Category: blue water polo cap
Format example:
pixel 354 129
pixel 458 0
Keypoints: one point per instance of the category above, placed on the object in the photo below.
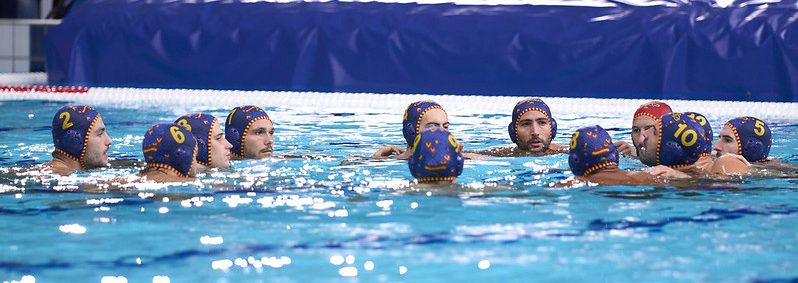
pixel 72 126
pixel 753 137
pixel 591 149
pixel 200 126
pixel 170 147
pixel 703 121
pixel 526 105
pixel 436 156
pixel 682 141
pixel 412 119
pixel 238 122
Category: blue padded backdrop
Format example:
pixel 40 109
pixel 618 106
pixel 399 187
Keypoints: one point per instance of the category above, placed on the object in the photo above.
pixel 670 50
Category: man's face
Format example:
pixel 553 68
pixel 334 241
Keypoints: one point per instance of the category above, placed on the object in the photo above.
pixel 727 142
pixel 534 132
pixel 97 146
pixel 434 118
pixel 645 135
pixel 259 140
pixel 220 148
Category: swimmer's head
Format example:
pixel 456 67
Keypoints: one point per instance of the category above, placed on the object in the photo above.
pixel 591 149
pixel 79 133
pixel 645 129
pixel 213 150
pixel 654 110
pixel 703 121
pixel 170 147
pixel 436 156
pixel 682 142
pixel 421 115
pixel 746 136
pixel 532 127
pixel 249 129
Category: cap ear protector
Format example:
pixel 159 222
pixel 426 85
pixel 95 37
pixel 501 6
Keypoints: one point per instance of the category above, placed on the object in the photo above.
pixel 201 126
pixel 71 128
pixel 411 123
pixel 526 105
pixel 753 137
pixel 171 147
pixel 682 141
pixel 591 149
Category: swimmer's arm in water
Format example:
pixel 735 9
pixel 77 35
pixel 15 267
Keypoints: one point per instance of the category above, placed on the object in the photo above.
pixel 666 172
pixel 474 155
pixel 556 148
pixel 387 151
pixel 503 151
pixel 653 176
pixel 626 148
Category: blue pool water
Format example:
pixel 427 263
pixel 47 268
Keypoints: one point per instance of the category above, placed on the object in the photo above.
pixel 337 216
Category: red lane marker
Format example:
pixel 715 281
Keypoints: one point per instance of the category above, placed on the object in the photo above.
pixel 51 89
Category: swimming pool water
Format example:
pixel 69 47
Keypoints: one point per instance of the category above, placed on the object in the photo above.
pixel 337 216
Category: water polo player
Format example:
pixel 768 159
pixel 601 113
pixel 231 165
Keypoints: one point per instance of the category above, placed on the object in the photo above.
pixel 532 129
pixel 418 116
pixel 213 150
pixel 170 153
pixel 746 136
pixel 251 132
pixel 436 156
pixel 683 144
pixel 80 139
pixel 644 131
pixel 594 158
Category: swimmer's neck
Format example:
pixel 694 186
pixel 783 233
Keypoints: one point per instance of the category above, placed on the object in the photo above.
pixel 549 150
pixel 63 165
pixel 162 176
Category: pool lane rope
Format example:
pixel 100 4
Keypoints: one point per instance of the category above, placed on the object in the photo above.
pixel 339 102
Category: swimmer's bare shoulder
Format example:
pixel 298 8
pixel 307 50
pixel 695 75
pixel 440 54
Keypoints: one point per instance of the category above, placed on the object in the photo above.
pixel 557 148
pixel 730 164
pixel 514 151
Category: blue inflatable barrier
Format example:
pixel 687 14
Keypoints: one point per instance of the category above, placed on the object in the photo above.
pixel 670 50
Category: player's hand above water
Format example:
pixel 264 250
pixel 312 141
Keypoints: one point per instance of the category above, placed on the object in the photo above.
pixel 625 148
pixel 667 172
pixel 387 151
